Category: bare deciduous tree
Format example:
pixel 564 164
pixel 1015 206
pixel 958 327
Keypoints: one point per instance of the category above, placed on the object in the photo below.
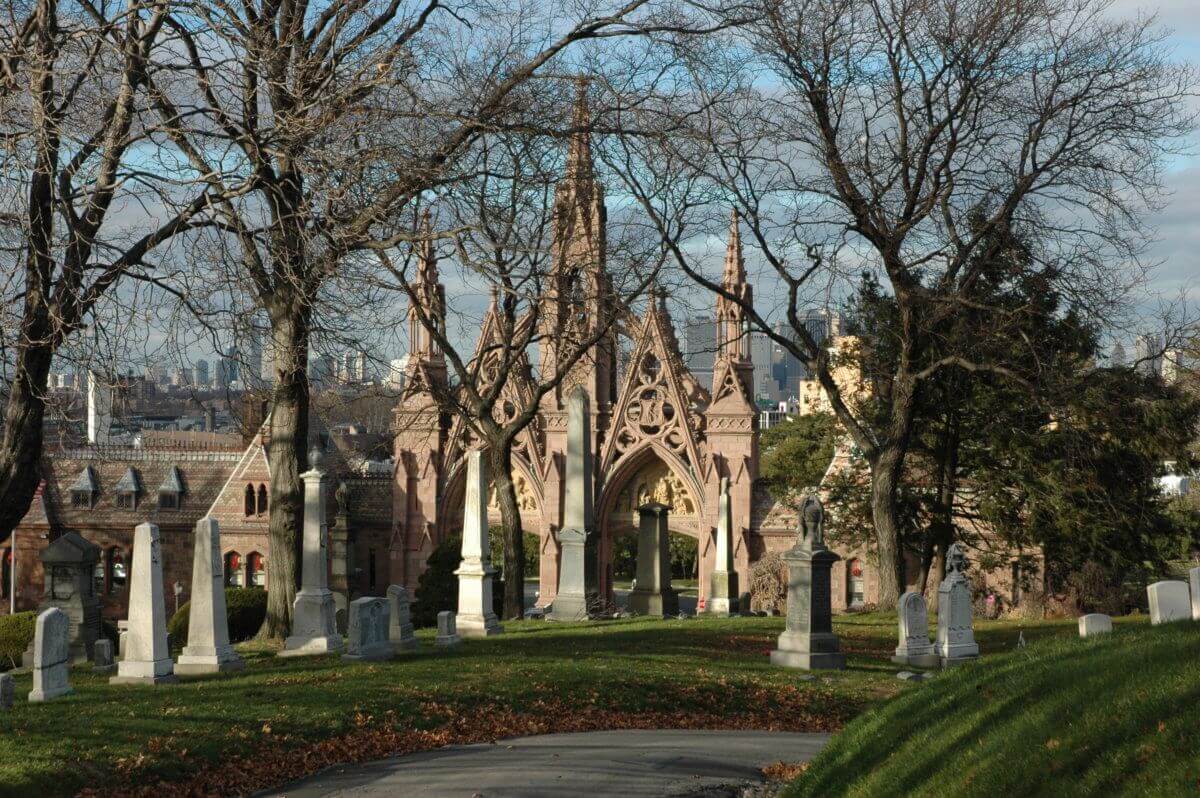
pixel 902 138
pixel 85 198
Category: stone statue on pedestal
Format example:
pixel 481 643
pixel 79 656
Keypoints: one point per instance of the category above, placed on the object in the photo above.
pixel 808 640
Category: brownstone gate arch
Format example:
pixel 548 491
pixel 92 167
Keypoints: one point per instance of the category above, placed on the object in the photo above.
pixel 650 472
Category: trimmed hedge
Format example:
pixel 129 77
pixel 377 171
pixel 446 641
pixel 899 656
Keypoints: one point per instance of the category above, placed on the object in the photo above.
pixel 245 608
pixel 16 633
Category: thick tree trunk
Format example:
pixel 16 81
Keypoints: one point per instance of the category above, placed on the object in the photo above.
pixel 885 474
pixel 514 534
pixel 287 457
pixel 22 442
pixel 21 446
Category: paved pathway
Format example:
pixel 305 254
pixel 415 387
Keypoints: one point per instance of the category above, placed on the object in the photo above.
pixel 591 764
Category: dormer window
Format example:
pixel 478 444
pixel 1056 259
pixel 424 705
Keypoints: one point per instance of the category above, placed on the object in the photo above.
pixel 170 492
pixel 86 489
pixel 128 490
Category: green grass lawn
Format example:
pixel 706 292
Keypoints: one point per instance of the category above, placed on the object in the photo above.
pixel 1114 715
pixel 282 719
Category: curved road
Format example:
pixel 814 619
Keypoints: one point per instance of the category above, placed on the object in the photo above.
pixel 595 764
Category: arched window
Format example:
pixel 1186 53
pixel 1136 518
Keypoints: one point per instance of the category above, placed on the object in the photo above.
pixel 249 501
pixel 6 573
pixel 855 584
pixel 233 569
pixel 118 571
pixel 262 499
pixel 256 571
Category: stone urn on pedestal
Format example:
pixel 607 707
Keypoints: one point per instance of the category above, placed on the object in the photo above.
pixel 808 641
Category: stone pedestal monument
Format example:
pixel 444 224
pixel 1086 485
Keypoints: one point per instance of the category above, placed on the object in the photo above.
pixel 147 657
pixel 208 649
pixel 915 648
pixel 368 639
pixel 339 557
pixel 955 632
pixel 68 564
pixel 400 625
pixel 314 627
pixel 51 656
pixel 476 616
pixel 653 594
pixel 723 586
pixel 808 640
pixel 576 575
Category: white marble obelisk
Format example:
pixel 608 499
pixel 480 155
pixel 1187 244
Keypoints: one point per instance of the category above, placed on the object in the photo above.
pixel 314 623
pixel 723 586
pixel 147 658
pixel 575 579
pixel 476 617
pixel 208 649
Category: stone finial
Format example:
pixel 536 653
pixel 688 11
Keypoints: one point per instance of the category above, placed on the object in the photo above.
pixel 956 559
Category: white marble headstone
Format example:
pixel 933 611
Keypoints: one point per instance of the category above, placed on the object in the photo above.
pixel 51 656
pixel 447 630
pixel 1096 623
pixel 915 647
pixel 1169 601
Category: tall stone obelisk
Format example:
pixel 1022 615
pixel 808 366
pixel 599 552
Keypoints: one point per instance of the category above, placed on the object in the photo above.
pixel 808 640
pixel 314 623
pixel 208 649
pixel 147 659
pixel 476 616
pixel 723 586
pixel 576 580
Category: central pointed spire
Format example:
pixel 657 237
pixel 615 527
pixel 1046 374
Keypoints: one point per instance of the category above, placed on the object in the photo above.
pixel 579 155
pixel 735 264
pixel 427 271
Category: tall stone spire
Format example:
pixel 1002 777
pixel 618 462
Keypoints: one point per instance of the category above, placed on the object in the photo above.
pixel 733 341
pixel 430 295
pixel 579 301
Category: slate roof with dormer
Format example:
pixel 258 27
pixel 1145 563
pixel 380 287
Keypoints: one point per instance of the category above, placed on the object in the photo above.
pixel 85 482
pixel 104 470
pixel 130 483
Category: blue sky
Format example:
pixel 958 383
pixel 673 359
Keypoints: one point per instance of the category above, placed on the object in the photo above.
pixel 1178 223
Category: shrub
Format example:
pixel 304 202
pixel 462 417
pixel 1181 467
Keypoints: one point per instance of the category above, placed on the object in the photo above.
pixel 533 548
pixel 245 609
pixel 768 584
pixel 16 633
pixel 437 589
